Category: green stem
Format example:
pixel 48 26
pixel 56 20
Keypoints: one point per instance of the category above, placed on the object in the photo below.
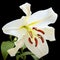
pixel 41 58
pixel 10 37
pixel 24 58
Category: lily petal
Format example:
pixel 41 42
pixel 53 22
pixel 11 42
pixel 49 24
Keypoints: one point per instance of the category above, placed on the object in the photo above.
pixel 41 49
pixel 15 24
pixel 49 33
pixel 43 18
pixel 13 28
pixel 13 51
pixel 26 9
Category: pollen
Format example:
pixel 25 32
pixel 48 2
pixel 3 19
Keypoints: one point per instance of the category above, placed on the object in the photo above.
pixel 29 39
pixel 38 30
pixel 35 28
pixel 36 42
pixel 41 31
pixel 42 39
pixel 30 33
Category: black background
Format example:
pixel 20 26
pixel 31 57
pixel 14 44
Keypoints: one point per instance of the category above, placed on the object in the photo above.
pixel 9 10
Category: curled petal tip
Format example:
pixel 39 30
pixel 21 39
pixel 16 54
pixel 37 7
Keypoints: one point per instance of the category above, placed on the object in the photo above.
pixel 27 3
pixel 24 5
pixel 12 52
pixel 53 14
pixel 26 8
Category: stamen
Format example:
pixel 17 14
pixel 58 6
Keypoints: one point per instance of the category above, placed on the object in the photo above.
pixel 29 39
pixel 35 28
pixel 38 30
pixel 36 42
pixel 42 39
pixel 41 31
pixel 30 32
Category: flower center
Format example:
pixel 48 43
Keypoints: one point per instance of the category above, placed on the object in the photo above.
pixel 29 30
pixel 33 35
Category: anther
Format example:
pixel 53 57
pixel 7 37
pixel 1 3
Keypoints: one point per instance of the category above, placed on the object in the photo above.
pixel 31 35
pixel 42 39
pixel 41 31
pixel 35 28
pixel 38 30
pixel 36 42
pixel 29 39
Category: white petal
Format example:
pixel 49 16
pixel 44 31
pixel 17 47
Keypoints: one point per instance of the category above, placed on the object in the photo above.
pixel 14 24
pixel 20 42
pixel 43 48
pixel 26 8
pixel 13 51
pixel 12 28
pixel 43 17
pixel 15 32
pixel 49 33
pixel 40 51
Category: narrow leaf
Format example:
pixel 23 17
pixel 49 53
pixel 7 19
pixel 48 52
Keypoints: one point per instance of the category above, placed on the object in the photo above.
pixel 26 53
pixel 34 57
pixel 23 55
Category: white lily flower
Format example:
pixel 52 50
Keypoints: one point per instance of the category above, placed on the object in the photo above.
pixel 32 30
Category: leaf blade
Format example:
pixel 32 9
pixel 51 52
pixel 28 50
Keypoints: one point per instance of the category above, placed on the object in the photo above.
pixel 4 47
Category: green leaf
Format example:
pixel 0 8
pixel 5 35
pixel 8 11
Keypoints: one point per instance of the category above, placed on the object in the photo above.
pixel 34 57
pixel 24 47
pixel 4 47
pixel 23 55
pixel 26 53
pixel 19 56
pixel 10 37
